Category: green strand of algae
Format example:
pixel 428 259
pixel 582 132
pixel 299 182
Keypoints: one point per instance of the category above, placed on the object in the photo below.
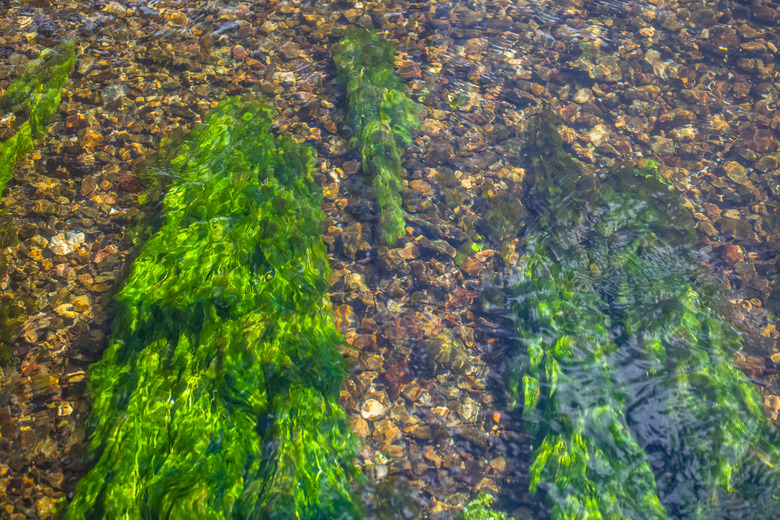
pixel 382 117
pixel 35 95
pixel 609 311
pixel 217 396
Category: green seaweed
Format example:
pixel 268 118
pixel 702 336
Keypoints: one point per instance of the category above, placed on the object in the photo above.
pixel 479 509
pixel 217 396
pixel 382 117
pixel 623 369
pixel 34 96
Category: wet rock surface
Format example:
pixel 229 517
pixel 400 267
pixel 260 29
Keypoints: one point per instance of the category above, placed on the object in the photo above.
pixel 691 87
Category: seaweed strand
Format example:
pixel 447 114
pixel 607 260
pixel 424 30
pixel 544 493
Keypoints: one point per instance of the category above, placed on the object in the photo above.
pixel 217 396
pixel 624 372
pixel 382 117
pixel 34 96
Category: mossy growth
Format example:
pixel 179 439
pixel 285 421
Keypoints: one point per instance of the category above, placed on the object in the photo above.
pixel 217 396
pixel 33 97
pixel 382 117
pixel 479 509
pixel 623 369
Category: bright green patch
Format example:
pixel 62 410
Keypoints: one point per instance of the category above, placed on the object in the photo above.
pixel 33 97
pixel 624 373
pixel 383 119
pixel 479 509
pixel 217 396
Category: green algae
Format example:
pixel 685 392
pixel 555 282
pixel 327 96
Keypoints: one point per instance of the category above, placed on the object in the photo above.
pixel 217 396
pixel 382 117
pixel 34 96
pixel 479 509
pixel 624 370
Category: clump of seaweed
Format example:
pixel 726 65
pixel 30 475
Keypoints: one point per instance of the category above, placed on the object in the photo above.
pixel 624 372
pixel 217 396
pixel 34 96
pixel 479 509
pixel 382 117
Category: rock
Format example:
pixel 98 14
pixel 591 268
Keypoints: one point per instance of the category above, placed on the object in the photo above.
pixel 410 70
pixel 356 237
pixel 81 303
pixel 422 187
pixel 372 410
pixel 598 135
pixel 583 95
pixel 704 17
pixel 351 167
pixel 397 257
pixel 438 152
pixel 63 244
pixel 386 433
pixel 361 427
pixel 676 118
pixel 772 406
pixel 759 139
pixel 736 228
pixel 239 52
pixel 498 464
pixel 346 318
pixel 663 147
pixel 768 163
pixel 290 51
pixel 707 228
pixel 46 507
pixel 66 311
pixel 472 267
pixel 438 246
pixel 469 410
pixel 352 15
pixel 607 69
pixel 736 172
pixel 448 351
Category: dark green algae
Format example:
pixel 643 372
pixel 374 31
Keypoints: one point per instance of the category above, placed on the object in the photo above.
pixel 622 365
pixel 217 396
pixel 382 117
pixel 34 97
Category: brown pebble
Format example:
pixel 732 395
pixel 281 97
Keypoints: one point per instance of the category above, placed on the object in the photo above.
pixel 472 267
pixel 239 53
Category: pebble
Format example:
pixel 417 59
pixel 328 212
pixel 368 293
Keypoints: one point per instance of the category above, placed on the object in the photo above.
pixel 583 95
pixel 372 410
pixel 65 243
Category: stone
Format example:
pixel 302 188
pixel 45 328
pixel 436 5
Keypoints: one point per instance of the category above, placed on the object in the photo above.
pixel 469 410
pixel 63 244
pixel 66 311
pixel 736 172
pixel 346 318
pixel 372 410
pixel 598 135
pixel 386 433
pixel 239 53
pixel 356 238
pixel 583 95
pixel 472 267
pixel 46 507
pixel 768 163
pixel 663 147
pixel 81 303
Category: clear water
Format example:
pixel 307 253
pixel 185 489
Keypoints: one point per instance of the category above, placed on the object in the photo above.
pixel 691 87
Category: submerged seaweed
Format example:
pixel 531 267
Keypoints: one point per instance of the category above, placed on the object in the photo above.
pixel 34 96
pixel 624 372
pixel 217 396
pixel 382 117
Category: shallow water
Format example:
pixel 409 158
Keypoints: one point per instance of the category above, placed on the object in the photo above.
pixel 689 86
